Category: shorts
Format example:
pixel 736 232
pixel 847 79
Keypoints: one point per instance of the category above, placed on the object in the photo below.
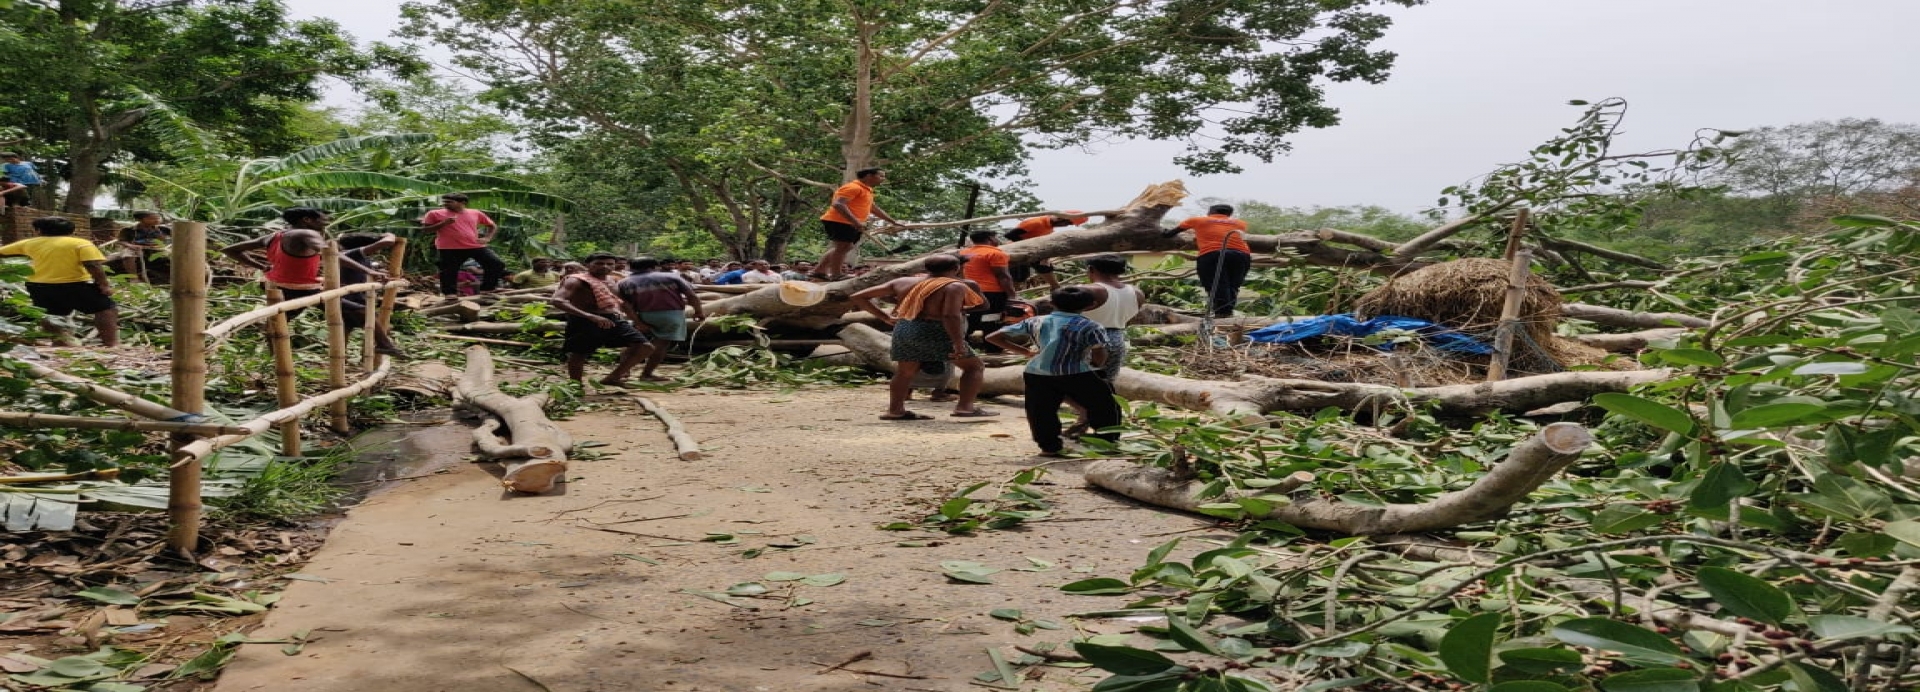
pixel 840 232
pixel 68 298
pixel 585 337
pixel 667 325
pixel 922 340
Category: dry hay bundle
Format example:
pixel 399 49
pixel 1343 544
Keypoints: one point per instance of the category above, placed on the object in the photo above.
pixel 1467 294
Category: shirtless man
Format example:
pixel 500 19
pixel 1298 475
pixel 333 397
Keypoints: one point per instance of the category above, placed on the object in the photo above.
pixel 929 324
pixel 597 318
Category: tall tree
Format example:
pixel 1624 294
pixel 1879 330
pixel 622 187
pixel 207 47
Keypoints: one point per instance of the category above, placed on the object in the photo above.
pixel 750 108
pixel 95 77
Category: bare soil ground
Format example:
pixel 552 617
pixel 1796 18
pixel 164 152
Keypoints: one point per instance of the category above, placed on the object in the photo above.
pixel 446 583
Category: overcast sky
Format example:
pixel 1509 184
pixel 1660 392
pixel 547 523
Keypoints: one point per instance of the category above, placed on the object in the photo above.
pixel 1479 82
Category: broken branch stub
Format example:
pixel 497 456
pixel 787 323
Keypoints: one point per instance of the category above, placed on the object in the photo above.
pixel 1525 469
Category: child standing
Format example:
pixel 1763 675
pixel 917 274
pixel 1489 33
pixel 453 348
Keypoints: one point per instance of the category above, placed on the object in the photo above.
pixel 1064 363
pixel 69 275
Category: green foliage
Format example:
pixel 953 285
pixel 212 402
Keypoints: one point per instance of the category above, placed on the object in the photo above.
pixel 1368 219
pixel 1758 489
pixel 961 513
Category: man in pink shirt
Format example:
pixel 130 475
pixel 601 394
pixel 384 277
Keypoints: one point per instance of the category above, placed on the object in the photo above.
pixel 461 234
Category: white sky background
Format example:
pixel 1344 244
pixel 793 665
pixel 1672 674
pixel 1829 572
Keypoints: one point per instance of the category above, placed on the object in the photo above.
pixel 1479 82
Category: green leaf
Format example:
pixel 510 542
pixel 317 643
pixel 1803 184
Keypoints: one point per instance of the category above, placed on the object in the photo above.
pixel 1828 627
pixel 1625 518
pixel 1905 531
pixel 1158 682
pixel 784 576
pixel 1159 553
pixel 1775 415
pixel 1810 679
pixel 824 579
pixel 1722 483
pixel 1179 631
pixel 1861 221
pixel 1646 411
pixel 1528 686
pixel 1831 368
pixel 1540 661
pixel 1005 614
pixel 1866 544
pixel 1849 445
pixel 1691 356
pixel 955 508
pixel 1123 660
pixel 1467 649
pixel 1634 643
pixel 1745 595
pixel 1098 586
pixel 1652 680
pixel 108 595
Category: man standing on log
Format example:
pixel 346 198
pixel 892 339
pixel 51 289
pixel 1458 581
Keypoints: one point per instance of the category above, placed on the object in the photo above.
pixel 1064 363
pixel 1040 227
pixel 845 218
pixel 929 325
pixel 659 297
pixel 458 237
pixel 1224 255
pixel 597 318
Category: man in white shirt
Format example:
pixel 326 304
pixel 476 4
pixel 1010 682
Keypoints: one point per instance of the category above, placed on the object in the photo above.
pixel 759 272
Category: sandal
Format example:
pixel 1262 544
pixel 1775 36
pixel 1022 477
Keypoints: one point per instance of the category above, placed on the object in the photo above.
pixel 905 416
pixel 976 413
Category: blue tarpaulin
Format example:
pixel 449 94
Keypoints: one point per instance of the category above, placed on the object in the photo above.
pixel 1438 336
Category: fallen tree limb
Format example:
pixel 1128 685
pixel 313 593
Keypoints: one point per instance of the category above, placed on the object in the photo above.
pixel 1615 317
pixel 484 340
pixel 427 379
pixel 502 327
pixel 1405 253
pixel 1608 286
pixel 462 310
pixel 111 397
pixel 538 455
pixel 689 448
pixel 198 450
pixel 1529 465
pixel 1564 245
pixel 1630 341
pixel 12 419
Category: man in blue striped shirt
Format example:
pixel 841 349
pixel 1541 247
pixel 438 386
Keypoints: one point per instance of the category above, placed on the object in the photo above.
pixel 1064 363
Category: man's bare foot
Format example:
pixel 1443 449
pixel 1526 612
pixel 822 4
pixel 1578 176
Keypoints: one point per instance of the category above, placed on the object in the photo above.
pixel 621 384
pixel 655 378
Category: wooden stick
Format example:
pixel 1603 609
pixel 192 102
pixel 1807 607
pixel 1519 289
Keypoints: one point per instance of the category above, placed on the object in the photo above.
pixel 688 447
pixel 1509 316
pixel 121 400
pixel 94 475
pixel 396 264
pixel 1515 233
pixel 286 381
pixel 13 419
pixel 202 448
pixel 336 337
pixel 189 370
pixel 484 340
pixel 218 333
pixel 856 658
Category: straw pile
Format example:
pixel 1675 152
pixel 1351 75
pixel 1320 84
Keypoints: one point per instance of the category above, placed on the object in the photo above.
pixel 1467 294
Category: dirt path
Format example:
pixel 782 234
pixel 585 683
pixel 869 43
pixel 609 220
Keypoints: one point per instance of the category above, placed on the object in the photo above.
pixel 445 584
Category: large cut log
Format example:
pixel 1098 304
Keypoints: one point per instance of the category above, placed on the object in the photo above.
pixel 1525 469
pixel 427 379
pixel 1253 396
pixel 537 456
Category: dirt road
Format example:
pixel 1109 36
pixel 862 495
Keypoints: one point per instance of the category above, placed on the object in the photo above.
pixel 447 584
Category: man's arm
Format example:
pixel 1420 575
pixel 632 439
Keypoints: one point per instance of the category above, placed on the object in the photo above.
pixel 1098 356
pixel 238 252
pixel 346 259
pixel 693 299
pixel 1003 339
pixel 954 317
pixel 1005 277
pixel 846 212
pixel 884 216
pixel 485 227
pixel 864 300
pixel 562 299
pixel 98 268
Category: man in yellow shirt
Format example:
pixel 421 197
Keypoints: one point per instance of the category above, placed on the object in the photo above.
pixel 69 275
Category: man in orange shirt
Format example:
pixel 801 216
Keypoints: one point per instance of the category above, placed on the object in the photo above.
pixel 1224 255
pixel 845 218
pixel 1040 227
pixel 988 266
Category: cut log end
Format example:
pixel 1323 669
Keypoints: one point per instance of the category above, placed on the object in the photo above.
pixel 534 476
pixel 1566 438
pixel 693 455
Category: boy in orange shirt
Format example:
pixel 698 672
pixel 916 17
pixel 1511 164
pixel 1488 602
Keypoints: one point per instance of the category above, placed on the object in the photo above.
pixel 1224 255
pixel 845 218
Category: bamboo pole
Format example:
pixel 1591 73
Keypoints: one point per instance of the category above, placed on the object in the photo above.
pixel 189 289
pixel 396 263
pixel 371 316
pixel 200 449
pixel 16 419
pixel 1509 316
pixel 286 383
pixel 1519 230
pixel 218 333
pixel 112 397
pixel 336 337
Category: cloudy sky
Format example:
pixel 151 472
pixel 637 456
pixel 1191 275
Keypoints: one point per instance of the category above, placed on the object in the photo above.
pixel 1479 82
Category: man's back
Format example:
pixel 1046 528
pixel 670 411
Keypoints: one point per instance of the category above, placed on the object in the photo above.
pixel 655 291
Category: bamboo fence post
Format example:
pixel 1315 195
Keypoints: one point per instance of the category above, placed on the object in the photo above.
pixel 1521 220
pixel 1509 316
pixel 189 292
pixel 396 268
pixel 336 336
pixel 368 358
pixel 286 383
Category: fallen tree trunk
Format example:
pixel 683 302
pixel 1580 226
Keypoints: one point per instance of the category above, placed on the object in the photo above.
pixel 1630 341
pixel 684 443
pixel 537 457
pixel 427 379
pixel 1615 317
pixel 1525 469
pixel 501 327
pixel 1253 396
